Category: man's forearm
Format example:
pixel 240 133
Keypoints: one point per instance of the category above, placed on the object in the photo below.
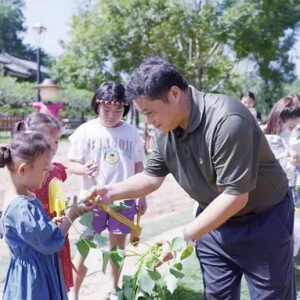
pixel 136 186
pixel 216 214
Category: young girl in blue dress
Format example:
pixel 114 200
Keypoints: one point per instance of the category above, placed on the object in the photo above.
pixel 34 272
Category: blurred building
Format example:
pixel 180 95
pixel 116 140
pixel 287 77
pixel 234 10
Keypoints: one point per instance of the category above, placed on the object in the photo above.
pixel 22 69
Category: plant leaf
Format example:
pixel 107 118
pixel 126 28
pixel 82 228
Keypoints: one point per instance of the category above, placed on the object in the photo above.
pixel 84 246
pixel 118 205
pixel 105 260
pixel 127 281
pixel 117 257
pixel 128 292
pixel 94 259
pixel 145 282
pixel 178 244
pixel 154 274
pixel 186 252
pixel 140 295
pixel 176 270
pixel 87 219
pixel 117 295
pixel 100 240
pixel 171 283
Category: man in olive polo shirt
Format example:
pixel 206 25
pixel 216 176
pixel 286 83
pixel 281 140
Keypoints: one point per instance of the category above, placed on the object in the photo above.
pixel 216 151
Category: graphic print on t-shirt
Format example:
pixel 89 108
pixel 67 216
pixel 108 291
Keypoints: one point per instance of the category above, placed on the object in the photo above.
pixel 112 156
pixel 108 153
pixel 106 145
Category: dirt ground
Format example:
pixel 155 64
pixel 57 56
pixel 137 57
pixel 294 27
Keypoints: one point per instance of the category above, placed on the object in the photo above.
pixel 169 198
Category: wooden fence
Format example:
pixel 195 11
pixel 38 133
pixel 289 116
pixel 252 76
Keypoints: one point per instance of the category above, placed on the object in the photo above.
pixel 6 123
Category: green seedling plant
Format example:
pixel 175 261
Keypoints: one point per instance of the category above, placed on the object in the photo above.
pixel 147 282
pixel 95 249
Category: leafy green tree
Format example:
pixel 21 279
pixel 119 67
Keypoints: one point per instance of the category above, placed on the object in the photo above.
pixel 293 87
pixel 12 30
pixel 14 96
pixel 206 40
pixel 78 102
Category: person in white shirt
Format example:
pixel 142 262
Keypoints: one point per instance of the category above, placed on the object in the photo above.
pixel 107 150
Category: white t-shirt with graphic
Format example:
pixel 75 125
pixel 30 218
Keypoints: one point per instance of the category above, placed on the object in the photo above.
pixel 115 151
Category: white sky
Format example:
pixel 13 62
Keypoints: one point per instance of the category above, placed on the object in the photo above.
pixel 55 16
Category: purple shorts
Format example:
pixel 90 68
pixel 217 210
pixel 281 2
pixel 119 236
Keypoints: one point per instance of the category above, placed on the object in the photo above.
pixel 103 220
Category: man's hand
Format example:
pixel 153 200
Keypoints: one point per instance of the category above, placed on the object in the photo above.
pixel 142 205
pixel 99 193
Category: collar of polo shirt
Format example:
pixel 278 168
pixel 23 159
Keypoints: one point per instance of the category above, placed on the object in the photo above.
pixel 197 108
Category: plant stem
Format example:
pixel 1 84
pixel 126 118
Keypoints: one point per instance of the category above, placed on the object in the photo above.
pixel 133 253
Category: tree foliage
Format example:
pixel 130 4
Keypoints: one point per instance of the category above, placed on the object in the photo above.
pixel 206 40
pixel 12 31
pixel 77 102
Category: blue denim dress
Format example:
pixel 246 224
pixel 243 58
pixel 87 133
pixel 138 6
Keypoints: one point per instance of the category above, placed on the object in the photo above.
pixel 34 272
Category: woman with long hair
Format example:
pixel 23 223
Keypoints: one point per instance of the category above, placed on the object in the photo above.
pixel 281 121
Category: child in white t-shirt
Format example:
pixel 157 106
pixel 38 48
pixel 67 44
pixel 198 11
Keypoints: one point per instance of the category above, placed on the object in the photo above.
pixel 107 150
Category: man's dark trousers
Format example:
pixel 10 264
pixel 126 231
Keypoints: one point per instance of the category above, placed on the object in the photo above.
pixel 260 249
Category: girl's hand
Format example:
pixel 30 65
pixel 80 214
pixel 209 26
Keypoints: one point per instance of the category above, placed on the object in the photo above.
pixel 85 207
pixel 82 208
pixel 58 220
pixel 142 205
pixel 90 168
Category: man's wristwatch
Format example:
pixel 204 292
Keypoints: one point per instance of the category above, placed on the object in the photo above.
pixel 187 238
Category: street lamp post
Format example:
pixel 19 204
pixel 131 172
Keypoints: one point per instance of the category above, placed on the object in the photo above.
pixel 40 31
pixel 48 90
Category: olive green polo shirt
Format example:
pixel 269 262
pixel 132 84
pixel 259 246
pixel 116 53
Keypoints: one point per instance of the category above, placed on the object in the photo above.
pixel 222 150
